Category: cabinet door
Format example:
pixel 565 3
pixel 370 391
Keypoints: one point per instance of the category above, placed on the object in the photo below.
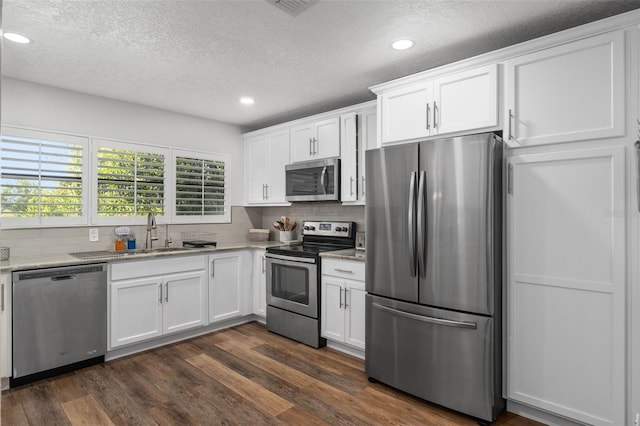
pixel 327 138
pixel 278 157
pixel 301 143
pixel 568 93
pixel 566 283
pixel 257 155
pixel 260 283
pixel 225 285
pixel 184 301
pixel 5 325
pixel 466 100
pixel 349 158
pixel 354 325
pixel 136 310
pixel 367 140
pixel 332 309
pixel 406 113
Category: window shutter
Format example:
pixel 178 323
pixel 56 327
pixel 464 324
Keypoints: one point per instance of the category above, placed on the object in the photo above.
pixel 201 187
pixel 130 182
pixel 42 176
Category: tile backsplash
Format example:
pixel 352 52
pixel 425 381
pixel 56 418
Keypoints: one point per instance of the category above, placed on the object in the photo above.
pixel 312 211
pixel 49 241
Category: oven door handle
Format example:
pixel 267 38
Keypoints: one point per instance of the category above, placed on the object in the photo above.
pixel 290 258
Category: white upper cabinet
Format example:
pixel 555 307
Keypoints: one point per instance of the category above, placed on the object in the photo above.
pixel 316 140
pixel 460 102
pixel 358 130
pixel 570 92
pixel 466 100
pixel 265 159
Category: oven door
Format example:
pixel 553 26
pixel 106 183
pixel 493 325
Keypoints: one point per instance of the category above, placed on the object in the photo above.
pixel 292 284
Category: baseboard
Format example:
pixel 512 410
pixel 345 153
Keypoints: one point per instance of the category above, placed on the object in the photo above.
pixel 350 350
pixel 539 415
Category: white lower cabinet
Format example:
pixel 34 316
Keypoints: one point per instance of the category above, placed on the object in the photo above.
pixel 566 283
pixel 143 307
pixel 5 325
pixel 227 285
pixel 259 283
pixel 342 314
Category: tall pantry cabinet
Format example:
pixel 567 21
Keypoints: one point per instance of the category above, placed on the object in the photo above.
pixel 566 279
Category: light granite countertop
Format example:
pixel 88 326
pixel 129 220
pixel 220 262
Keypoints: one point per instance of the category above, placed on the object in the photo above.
pixel 64 259
pixel 347 254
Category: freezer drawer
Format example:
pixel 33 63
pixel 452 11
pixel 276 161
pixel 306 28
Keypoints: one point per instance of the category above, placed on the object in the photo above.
pixel 442 356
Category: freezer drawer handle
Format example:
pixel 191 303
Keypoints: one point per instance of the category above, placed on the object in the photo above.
pixel 439 321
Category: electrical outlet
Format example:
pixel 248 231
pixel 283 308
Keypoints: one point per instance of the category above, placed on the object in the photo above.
pixel 94 234
pixel 637 421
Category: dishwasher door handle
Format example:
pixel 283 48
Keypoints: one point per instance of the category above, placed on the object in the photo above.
pixel 63 277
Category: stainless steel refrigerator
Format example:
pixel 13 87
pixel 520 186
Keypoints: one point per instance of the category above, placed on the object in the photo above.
pixel 434 271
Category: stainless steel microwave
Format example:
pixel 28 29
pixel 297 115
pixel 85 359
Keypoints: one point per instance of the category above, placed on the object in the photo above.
pixel 317 180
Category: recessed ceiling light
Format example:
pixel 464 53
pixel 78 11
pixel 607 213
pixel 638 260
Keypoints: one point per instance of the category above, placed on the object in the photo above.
pixel 16 38
pixel 402 44
pixel 247 101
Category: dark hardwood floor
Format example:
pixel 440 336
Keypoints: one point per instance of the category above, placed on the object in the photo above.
pixel 242 376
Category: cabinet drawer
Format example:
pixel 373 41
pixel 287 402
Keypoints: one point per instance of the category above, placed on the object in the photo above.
pixel 159 266
pixel 350 269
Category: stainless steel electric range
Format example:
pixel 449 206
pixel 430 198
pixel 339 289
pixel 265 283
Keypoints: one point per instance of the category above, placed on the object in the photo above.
pixel 293 280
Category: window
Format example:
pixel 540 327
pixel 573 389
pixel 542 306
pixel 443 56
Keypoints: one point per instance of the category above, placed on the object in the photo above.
pixel 42 176
pixel 201 188
pixel 130 181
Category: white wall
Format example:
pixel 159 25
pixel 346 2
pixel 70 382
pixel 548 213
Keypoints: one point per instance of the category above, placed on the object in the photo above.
pixel 49 108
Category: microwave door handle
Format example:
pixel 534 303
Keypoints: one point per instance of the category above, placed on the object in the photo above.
pixel 323 179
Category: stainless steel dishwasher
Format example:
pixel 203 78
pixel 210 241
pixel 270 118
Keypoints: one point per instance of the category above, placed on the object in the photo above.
pixel 59 320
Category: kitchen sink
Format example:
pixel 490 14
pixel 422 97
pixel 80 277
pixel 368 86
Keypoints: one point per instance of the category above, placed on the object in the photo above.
pixel 113 254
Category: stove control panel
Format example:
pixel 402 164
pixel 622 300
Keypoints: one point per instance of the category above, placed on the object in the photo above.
pixel 328 229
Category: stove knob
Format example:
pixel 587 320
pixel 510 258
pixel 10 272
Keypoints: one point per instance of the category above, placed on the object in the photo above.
pixel 312 228
pixel 306 228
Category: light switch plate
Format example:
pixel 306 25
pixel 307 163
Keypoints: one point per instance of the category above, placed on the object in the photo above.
pixel 94 234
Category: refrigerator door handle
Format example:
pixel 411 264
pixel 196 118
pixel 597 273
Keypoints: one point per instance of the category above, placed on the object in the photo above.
pixel 431 320
pixel 422 237
pixel 411 228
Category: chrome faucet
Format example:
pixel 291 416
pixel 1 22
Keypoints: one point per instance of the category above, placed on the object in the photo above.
pixel 167 237
pixel 151 224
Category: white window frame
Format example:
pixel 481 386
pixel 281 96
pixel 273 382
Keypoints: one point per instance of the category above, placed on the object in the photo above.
pixel 45 221
pixel 207 156
pixel 129 146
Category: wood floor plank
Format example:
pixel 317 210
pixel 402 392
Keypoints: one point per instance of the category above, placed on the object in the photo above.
pixel 66 388
pixel 41 407
pixel 12 410
pixel 297 416
pixel 262 398
pixel 270 365
pixel 86 411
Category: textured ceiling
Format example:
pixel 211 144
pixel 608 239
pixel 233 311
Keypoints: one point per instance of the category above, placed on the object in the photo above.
pixel 199 56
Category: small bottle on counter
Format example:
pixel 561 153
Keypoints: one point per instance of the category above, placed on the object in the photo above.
pixel 119 244
pixel 131 242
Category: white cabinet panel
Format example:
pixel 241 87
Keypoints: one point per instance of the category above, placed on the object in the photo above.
pixel 260 283
pixel 405 112
pixel 466 101
pixel 354 313
pixel 136 310
pixel 225 286
pixel 367 140
pixel 332 310
pixel 185 301
pixel 316 140
pixel 349 159
pixel 5 325
pixel 265 158
pixel 567 93
pixel 566 283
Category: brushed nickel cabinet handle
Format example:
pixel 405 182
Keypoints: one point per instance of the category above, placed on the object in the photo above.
pixel 345 298
pixel 2 290
pixel 340 298
pixel 166 296
pixel 509 136
pixel 428 114
pixel 160 285
pixel 212 269
pixel 435 115
pixel 346 271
